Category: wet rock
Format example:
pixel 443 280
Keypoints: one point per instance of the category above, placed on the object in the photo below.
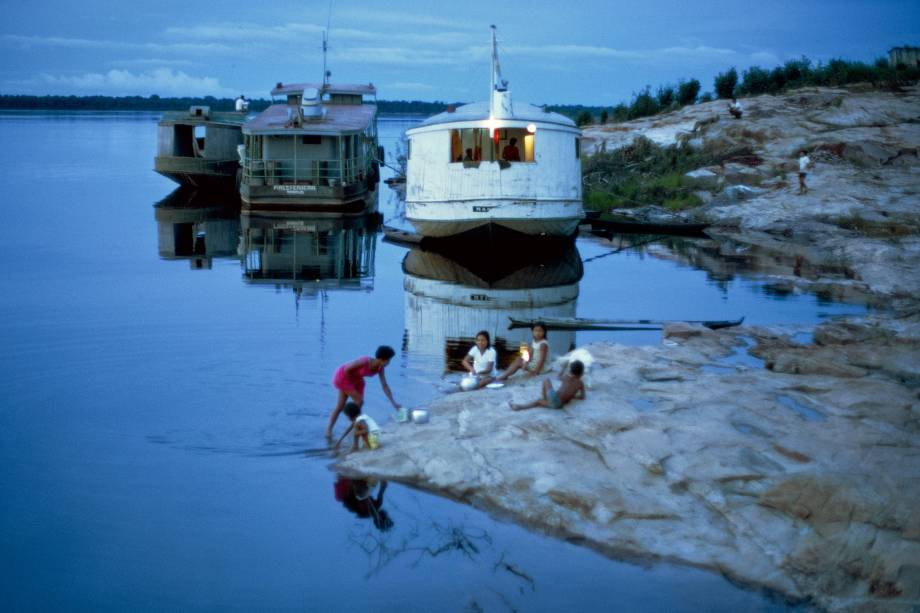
pixel 713 471
pixel 739 192
pixel 684 330
pixel 701 178
pixel 812 362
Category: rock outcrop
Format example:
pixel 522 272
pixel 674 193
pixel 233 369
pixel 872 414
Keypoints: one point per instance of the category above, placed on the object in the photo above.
pixel 862 208
pixel 804 480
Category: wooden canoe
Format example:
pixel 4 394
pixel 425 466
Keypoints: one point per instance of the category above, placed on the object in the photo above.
pixel 576 323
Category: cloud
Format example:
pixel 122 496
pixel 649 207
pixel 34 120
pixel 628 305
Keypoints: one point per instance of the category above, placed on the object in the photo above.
pixel 161 81
pixel 410 86
pixel 26 42
pixel 593 51
pixel 764 58
pixel 158 62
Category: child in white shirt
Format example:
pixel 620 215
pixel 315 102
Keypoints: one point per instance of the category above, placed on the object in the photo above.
pixel 480 361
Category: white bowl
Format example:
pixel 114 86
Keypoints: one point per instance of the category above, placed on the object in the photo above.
pixel 469 383
pixel 420 416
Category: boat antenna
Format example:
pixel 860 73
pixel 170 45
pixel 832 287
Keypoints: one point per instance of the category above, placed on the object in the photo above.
pixel 498 83
pixel 326 72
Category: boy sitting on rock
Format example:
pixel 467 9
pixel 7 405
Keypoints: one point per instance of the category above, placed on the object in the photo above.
pixel 572 387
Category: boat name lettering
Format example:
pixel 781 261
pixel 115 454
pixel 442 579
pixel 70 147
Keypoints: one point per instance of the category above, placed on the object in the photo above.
pixel 479 297
pixel 294 189
pixel 481 209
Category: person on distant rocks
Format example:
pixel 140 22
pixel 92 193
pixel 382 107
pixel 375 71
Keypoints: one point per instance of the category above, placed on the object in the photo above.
pixel 349 381
pixel 572 387
pixel 804 165
pixel 242 105
pixel 480 361
pixel 735 109
pixel 536 356
pixel 511 153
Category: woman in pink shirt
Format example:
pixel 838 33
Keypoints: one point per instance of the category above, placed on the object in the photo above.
pixel 349 380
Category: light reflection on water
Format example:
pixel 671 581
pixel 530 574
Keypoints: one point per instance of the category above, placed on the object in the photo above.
pixel 166 381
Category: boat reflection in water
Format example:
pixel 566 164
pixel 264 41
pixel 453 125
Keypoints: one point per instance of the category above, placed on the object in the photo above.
pixel 309 254
pixel 197 226
pixel 450 297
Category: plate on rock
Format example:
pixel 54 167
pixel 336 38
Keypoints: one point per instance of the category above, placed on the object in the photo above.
pixel 495 385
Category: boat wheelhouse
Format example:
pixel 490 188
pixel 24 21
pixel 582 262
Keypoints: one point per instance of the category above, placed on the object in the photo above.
pixel 494 165
pixel 315 150
pixel 199 147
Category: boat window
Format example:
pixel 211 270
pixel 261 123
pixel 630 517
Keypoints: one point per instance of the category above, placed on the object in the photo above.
pixel 506 144
pixel 312 139
pixel 470 145
pixel 577 148
pixel 200 133
pixel 514 145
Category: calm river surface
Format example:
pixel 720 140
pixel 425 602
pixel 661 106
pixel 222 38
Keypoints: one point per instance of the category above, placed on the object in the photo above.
pixel 162 381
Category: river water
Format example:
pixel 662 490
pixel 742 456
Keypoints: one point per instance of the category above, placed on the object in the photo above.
pixel 166 377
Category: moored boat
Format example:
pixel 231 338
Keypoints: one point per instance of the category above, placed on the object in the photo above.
pixel 494 166
pixel 314 150
pixel 199 147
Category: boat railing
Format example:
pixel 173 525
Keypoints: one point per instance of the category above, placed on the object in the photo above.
pixel 310 171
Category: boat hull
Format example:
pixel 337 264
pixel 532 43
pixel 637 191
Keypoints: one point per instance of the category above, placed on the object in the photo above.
pixel 198 172
pixel 443 219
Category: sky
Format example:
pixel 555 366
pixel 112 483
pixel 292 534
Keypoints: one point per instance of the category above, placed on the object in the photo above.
pixel 592 52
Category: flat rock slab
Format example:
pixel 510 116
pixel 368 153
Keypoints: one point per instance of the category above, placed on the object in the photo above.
pixel 808 484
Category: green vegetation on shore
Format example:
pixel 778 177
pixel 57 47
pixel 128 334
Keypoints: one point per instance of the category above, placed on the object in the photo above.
pixel 640 174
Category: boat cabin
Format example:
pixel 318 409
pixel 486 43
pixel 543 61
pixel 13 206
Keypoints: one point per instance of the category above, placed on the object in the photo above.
pixel 198 147
pixel 315 148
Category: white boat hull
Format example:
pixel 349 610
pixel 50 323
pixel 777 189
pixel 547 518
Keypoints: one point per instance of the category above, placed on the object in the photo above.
pixel 441 219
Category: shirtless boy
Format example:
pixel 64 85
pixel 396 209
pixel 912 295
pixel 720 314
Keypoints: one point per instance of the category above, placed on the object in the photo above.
pixel 572 387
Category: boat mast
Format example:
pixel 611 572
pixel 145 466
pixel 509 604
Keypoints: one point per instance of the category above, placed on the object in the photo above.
pixel 325 49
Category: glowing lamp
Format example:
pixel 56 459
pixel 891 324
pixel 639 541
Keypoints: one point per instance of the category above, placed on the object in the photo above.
pixel 532 127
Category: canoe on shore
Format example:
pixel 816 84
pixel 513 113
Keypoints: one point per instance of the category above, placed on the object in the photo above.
pixel 576 323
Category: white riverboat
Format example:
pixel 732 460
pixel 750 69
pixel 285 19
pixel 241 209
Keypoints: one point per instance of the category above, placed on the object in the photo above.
pixel 494 165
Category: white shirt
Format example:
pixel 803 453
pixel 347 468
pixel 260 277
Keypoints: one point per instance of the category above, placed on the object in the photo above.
pixel 804 161
pixel 481 360
pixel 241 104
pixel 369 422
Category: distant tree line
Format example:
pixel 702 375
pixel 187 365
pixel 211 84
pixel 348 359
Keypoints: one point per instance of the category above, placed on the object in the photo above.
pixel 158 103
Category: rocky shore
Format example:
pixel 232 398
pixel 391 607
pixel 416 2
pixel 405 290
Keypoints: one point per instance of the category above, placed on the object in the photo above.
pixel 790 462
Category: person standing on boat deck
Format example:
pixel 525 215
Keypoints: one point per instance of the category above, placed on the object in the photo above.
pixel 349 381
pixel 511 153
pixel 480 361
pixel 242 105
pixel 804 163
pixel 537 354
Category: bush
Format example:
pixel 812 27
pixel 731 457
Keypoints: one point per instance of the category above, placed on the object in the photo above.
pixel 584 118
pixel 644 104
pixel 620 112
pixel 665 96
pixel 725 83
pixel 604 116
pixel 706 97
pixel 687 91
pixel 755 81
